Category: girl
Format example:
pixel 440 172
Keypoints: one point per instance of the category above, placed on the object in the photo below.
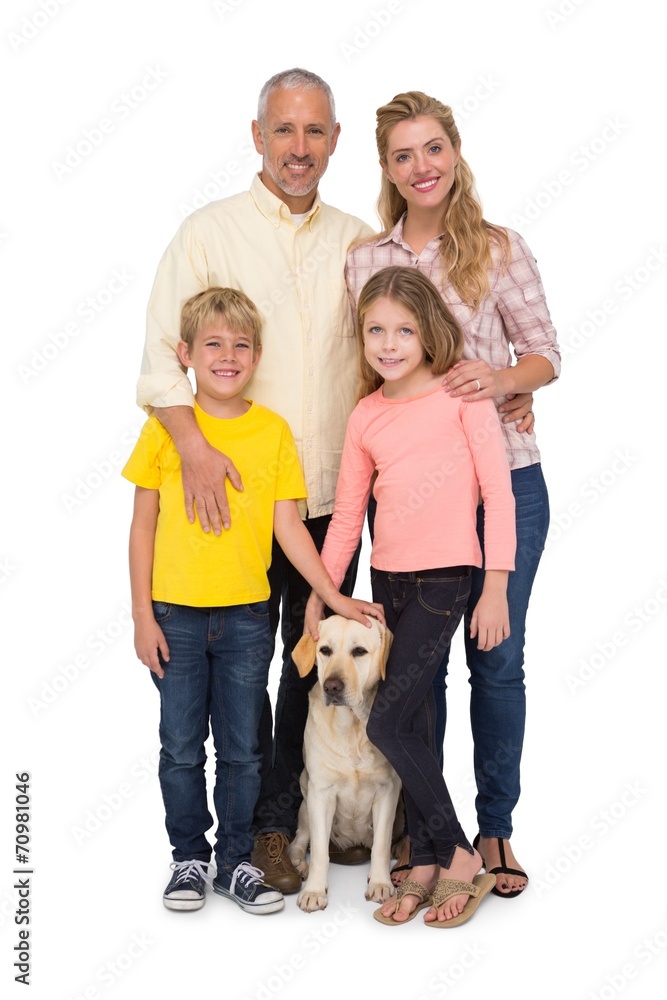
pixel 432 453
pixel 488 278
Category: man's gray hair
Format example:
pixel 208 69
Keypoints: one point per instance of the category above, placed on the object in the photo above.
pixel 291 79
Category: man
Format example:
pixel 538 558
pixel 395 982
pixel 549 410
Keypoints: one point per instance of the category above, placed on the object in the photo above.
pixel 286 250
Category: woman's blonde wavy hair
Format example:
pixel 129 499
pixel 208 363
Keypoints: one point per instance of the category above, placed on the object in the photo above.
pixel 466 244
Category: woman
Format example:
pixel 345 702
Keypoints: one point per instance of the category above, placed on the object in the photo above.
pixel 488 278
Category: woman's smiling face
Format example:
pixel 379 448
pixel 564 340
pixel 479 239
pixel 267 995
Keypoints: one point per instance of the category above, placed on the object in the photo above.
pixel 420 162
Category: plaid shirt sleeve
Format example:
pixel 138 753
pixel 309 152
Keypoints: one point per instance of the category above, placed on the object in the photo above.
pixel 522 305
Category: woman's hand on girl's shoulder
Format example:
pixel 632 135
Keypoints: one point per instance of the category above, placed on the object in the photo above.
pixel 473 379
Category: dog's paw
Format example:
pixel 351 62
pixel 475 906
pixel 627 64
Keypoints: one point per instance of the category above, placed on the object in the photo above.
pixel 312 900
pixel 377 892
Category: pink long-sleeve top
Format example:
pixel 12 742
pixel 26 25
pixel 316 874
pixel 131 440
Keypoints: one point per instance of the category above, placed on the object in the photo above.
pixel 433 453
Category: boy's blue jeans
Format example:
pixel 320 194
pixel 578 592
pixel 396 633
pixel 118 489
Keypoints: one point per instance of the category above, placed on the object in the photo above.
pixel 216 674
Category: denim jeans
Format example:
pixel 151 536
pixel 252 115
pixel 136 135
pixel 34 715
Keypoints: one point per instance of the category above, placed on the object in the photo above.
pixel 498 697
pixel 216 673
pixel 282 750
pixel 423 610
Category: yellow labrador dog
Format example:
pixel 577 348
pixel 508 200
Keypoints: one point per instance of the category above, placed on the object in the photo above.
pixel 349 789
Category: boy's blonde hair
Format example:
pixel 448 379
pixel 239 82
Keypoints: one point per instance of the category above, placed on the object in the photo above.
pixel 439 333
pixel 221 305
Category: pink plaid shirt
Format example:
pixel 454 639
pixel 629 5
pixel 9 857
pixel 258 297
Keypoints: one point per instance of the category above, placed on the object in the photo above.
pixel 514 311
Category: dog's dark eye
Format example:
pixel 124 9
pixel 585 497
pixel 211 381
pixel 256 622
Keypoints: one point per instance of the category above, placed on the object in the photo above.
pixel 359 651
pixel 325 650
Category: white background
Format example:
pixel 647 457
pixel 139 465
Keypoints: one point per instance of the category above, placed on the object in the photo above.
pixel 541 96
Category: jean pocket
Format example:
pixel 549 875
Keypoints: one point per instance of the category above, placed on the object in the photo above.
pixel 161 611
pixel 441 597
pixel 258 610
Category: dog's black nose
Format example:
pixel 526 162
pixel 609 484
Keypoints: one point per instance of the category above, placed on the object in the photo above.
pixel 334 686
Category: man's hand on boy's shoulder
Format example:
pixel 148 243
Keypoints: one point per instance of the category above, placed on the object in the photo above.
pixel 149 641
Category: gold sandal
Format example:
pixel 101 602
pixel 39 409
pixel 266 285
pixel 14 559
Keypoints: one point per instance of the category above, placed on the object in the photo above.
pixel 407 888
pixel 445 888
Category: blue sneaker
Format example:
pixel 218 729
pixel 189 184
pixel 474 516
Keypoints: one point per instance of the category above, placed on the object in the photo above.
pixel 187 886
pixel 245 886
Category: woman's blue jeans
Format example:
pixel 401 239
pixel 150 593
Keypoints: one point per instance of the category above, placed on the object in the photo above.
pixel 498 696
pixel 216 673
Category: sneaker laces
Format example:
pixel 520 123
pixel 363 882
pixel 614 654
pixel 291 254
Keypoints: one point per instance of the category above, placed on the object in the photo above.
pixel 193 869
pixel 245 873
pixel 275 844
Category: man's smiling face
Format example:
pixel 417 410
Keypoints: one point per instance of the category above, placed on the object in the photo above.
pixel 296 140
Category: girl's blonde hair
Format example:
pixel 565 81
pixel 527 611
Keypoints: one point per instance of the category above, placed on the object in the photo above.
pixel 439 333
pixel 466 244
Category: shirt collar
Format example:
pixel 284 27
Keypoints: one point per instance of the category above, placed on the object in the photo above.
pixel 395 235
pixel 273 208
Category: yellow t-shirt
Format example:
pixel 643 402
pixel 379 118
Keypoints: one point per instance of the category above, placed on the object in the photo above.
pixel 202 569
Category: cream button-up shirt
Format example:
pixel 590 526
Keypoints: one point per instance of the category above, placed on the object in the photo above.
pixel 295 276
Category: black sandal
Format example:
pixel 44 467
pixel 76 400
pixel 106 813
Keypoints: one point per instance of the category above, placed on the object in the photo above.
pixel 502 869
pixel 399 868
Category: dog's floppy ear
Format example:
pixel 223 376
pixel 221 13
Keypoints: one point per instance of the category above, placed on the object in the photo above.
pixel 386 639
pixel 303 654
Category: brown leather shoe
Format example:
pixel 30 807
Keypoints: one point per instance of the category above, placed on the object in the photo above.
pixel 355 855
pixel 270 856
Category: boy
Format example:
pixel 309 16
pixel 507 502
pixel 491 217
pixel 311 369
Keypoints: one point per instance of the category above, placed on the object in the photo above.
pixel 199 601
